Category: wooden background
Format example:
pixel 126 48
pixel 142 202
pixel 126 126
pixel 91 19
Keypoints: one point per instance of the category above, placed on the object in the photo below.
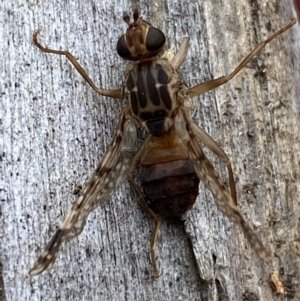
pixel 54 129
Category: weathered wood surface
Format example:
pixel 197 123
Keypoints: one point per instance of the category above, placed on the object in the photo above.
pixel 54 129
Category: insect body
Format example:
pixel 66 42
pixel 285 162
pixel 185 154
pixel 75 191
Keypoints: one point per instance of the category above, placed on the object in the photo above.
pixel 169 179
pixel 171 159
pixel 168 176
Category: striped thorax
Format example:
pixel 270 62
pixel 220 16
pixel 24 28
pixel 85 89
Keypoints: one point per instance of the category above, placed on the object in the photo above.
pixel 151 87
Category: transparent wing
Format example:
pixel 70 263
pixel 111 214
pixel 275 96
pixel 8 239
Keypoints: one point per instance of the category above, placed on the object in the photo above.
pixel 102 185
pixel 223 199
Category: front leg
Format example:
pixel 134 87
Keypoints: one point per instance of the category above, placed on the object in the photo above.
pixel 212 84
pixel 109 93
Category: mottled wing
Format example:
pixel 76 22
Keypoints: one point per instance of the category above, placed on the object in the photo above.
pixel 111 170
pixel 223 199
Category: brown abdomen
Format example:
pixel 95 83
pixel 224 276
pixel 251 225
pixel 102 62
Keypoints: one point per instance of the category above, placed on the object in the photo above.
pixel 171 187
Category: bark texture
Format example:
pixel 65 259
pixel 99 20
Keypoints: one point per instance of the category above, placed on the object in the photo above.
pixel 54 130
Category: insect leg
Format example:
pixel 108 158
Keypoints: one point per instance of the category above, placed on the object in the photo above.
pixel 212 84
pixel 143 202
pixel 153 246
pixel 110 93
pixel 223 199
pixel 214 147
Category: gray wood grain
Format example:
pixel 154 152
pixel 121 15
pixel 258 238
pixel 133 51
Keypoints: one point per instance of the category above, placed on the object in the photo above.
pixel 54 130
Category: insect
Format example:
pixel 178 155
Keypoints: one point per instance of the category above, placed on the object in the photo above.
pixel 170 160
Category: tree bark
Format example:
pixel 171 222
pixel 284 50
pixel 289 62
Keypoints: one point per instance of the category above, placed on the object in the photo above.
pixel 55 129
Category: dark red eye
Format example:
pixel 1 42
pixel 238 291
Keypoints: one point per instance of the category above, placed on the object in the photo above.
pixel 122 48
pixel 155 39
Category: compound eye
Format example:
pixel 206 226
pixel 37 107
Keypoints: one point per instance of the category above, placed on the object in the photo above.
pixel 122 48
pixel 155 39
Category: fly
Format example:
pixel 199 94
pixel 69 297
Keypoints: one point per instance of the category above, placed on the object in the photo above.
pixel 170 160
